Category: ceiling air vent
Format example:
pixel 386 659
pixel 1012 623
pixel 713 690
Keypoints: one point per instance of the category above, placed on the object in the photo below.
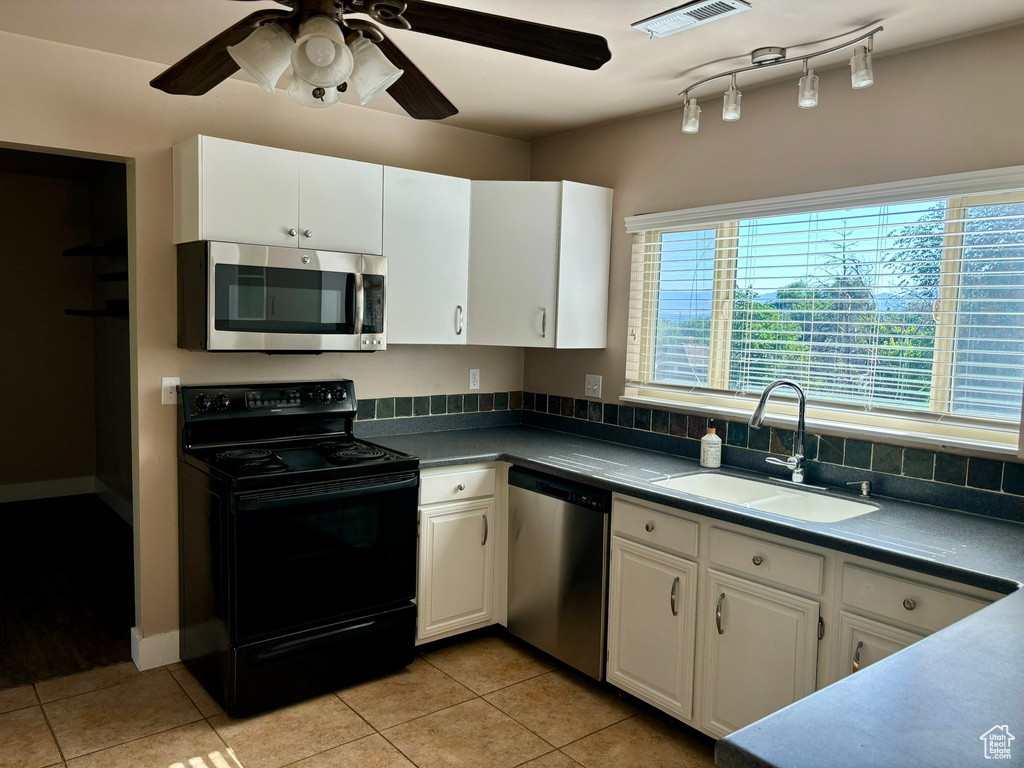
pixel 690 15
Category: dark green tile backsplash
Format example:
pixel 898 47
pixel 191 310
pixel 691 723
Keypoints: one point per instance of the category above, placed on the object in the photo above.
pixel 436 405
pixel 971 473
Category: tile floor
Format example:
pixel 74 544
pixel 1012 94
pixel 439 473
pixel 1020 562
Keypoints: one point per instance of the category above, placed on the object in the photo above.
pixel 489 702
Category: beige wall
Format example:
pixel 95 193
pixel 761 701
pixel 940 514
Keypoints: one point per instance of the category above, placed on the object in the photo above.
pixel 945 109
pixel 44 352
pixel 57 96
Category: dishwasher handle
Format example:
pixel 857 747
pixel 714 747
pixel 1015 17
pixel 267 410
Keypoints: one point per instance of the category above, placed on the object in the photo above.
pixel 551 490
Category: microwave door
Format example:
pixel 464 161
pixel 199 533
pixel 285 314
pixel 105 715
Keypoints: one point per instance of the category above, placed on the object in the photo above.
pixel 282 299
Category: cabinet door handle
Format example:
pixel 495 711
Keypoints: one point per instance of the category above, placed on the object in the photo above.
pixel 910 604
pixel 482 543
pixel 459 315
pixel 293 232
pixel 718 613
pixel 649 527
pixel 307 233
pixel 757 560
pixel 673 595
pixel 544 323
pixel 856 656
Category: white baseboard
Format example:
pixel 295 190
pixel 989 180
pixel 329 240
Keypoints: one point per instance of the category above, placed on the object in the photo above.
pixel 114 500
pixel 47 489
pixel 154 650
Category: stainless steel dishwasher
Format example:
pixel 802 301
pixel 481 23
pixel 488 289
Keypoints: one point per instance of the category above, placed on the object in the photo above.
pixel 558 567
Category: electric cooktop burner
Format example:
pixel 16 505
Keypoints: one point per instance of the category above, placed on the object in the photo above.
pixel 344 452
pixel 253 461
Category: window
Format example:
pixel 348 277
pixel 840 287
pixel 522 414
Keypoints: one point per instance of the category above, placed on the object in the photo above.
pixel 888 307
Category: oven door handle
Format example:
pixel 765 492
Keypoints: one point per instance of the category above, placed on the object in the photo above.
pixel 246 503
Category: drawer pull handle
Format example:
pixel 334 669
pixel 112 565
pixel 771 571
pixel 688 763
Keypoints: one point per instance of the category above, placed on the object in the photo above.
pixel 461 487
pixel 718 613
pixel 856 656
pixel 910 604
pixel 757 560
pixel 649 527
pixel 673 596
pixel 484 542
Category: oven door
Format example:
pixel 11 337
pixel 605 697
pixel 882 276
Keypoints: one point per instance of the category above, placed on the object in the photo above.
pixel 289 299
pixel 317 554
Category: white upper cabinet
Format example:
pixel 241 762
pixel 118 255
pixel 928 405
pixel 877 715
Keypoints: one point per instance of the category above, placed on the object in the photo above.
pixel 426 241
pixel 247 193
pixel 341 204
pixel 539 256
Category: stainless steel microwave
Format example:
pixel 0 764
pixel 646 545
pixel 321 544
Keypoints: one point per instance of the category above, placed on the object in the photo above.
pixel 256 298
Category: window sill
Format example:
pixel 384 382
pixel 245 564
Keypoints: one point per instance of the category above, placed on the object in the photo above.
pixel 824 426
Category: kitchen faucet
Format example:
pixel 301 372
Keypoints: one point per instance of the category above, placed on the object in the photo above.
pixel 794 463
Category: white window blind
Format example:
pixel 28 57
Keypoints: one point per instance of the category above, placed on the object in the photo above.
pixel 911 307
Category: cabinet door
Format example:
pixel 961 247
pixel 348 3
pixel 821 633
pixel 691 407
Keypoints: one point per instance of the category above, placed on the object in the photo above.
pixel 426 240
pixel 513 263
pixel 651 626
pixel 250 193
pixel 761 653
pixel 341 204
pixel 862 642
pixel 456 551
pixel 583 259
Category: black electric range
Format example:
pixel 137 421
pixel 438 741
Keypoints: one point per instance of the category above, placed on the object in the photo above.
pixel 297 544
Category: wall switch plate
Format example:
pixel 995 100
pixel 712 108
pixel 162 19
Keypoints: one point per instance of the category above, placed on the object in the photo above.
pixel 593 388
pixel 474 378
pixel 169 390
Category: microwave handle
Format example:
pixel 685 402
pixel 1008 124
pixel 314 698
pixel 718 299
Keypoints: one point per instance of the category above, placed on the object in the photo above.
pixel 360 305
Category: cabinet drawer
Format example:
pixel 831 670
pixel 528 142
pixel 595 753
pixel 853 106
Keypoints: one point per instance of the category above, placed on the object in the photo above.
pixel 771 562
pixel 455 486
pixel 655 528
pixel 930 608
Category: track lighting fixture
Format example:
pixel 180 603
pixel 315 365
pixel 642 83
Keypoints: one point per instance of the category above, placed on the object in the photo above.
pixel 691 116
pixel 731 102
pixel 771 56
pixel 808 89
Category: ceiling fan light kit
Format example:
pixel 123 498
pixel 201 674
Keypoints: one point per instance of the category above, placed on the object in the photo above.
pixel 265 55
pixel 771 56
pixel 327 50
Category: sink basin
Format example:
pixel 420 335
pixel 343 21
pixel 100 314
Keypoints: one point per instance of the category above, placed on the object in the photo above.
pixel 767 497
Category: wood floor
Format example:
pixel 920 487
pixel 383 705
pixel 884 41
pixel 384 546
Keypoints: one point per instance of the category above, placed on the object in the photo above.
pixel 66 588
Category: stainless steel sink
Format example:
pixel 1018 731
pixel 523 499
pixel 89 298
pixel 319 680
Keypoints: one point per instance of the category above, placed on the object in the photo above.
pixel 768 497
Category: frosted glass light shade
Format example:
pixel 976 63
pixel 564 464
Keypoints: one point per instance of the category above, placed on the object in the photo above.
pixel 691 117
pixel 307 53
pixel 264 55
pixel 808 90
pixel 302 92
pixel 860 67
pixel 731 105
pixel 373 72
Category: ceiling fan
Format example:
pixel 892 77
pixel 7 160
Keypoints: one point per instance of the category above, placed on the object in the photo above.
pixel 326 47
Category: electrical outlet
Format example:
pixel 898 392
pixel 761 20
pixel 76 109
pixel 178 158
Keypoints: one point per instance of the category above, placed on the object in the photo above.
pixel 169 390
pixel 593 387
pixel 474 378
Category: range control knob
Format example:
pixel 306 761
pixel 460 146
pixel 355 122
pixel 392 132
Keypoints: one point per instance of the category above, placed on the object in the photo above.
pixel 203 403
pixel 222 402
pixel 324 396
pixel 340 394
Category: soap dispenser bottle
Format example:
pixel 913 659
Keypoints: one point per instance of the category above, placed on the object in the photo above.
pixel 711 448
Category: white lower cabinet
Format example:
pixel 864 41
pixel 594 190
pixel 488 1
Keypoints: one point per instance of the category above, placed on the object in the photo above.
pixel 761 651
pixel 455 568
pixel 863 641
pixel 652 626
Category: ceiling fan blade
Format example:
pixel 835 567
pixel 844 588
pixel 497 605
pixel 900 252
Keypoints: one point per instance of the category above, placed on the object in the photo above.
pixel 210 64
pixel 413 91
pixel 539 41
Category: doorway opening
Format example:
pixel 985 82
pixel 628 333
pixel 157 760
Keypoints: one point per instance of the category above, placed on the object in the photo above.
pixel 67 563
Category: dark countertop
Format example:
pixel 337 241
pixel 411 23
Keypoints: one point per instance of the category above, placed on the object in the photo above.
pixel 927 705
